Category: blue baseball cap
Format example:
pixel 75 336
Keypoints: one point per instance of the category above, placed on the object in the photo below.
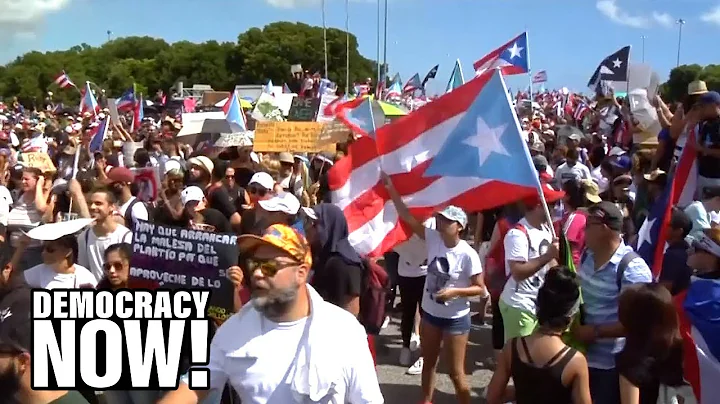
pixel 455 214
pixel 622 162
pixel 711 97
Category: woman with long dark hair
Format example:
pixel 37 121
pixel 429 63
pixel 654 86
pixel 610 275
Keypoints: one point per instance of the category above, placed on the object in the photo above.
pixel 544 369
pixel 653 347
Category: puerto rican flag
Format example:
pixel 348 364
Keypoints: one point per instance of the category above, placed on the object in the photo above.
pixel 412 84
pixel 395 91
pixel 234 112
pixel 138 115
pixel 63 80
pixel 581 110
pixel 510 58
pixel 455 150
pixel 360 116
pixel 98 134
pixel 127 101
pixel 699 315
pixel 88 103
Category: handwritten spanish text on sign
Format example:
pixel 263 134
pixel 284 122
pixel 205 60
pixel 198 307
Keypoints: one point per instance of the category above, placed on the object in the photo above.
pixel 303 109
pixel 179 258
pixel 289 137
pixel 40 161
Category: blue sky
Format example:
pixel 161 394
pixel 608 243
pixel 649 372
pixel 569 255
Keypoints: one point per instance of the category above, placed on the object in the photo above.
pixel 567 38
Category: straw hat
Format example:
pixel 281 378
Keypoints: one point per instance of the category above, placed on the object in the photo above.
pixel 697 87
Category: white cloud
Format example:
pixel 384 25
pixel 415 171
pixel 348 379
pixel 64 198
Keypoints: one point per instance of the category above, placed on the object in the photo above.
pixel 23 18
pixel 612 11
pixel 712 16
pixel 663 19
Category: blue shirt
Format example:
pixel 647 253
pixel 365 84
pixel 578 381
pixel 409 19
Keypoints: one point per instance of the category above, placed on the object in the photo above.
pixel 600 297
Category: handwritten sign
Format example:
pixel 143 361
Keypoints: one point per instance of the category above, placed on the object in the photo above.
pixel 303 109
pixel 333 132
pixel 289 137
pixel 40 161
pixel 179 258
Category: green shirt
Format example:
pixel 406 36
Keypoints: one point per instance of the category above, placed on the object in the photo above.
pixel 72 397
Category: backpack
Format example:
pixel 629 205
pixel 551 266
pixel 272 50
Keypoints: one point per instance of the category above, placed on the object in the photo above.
pixel 495 263
pixel 622 265
pixel 129 222
pixel 374 295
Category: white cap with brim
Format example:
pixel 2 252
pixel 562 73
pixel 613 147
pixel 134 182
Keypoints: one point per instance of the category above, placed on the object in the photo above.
pixel 263 179
pixel 454 214
pixel 284 202
pixel 192 194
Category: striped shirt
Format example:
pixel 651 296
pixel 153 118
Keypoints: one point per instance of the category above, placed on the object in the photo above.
pixel 600 297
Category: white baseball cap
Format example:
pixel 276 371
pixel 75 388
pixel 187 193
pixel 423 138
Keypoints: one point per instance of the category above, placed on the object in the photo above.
pixel 192 194
pixel 282 202
pixel 263 179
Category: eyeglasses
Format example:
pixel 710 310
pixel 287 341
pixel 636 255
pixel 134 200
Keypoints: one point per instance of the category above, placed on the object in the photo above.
pixel 254 189
pixel 268 267
pixel 117 266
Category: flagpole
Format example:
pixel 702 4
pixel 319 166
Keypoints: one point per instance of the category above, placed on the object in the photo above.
pixel 378 49
pixel 325 38
pixel 527 53
pixel 384 64
pixel 347 46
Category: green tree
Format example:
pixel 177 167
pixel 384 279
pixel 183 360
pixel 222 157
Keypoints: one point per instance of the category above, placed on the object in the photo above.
pixel 153 64
pixel 675 89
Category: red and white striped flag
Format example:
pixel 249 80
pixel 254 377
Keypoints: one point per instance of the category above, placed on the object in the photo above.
pixel 63 80
pixel 539 77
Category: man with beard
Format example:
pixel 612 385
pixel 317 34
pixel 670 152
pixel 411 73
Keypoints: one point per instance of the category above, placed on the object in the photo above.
pixel 289 345
pixel 15 344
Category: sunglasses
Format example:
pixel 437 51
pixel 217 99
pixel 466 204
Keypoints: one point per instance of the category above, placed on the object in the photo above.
pixel 260 191
pixel 117 266
pixel 268 267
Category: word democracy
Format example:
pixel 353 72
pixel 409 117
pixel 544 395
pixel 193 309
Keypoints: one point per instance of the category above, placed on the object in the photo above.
pixel 123 304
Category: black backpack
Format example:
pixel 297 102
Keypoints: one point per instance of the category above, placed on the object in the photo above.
pixel 129 222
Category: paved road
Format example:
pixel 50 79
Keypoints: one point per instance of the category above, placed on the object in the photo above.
pixel 398 387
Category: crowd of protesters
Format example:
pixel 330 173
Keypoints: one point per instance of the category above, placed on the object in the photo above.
pixel 582 321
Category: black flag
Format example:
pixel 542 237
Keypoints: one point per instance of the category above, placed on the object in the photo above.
pixel 431 74
pixel 612 68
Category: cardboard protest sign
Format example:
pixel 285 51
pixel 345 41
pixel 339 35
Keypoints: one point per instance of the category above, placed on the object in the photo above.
pixel 333 132
pixel 39 160
pixel 179 258
pixel 289 137
pixel 303 109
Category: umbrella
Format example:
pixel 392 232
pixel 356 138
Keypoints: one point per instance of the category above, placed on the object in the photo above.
pixel 239 139
pixel 209 126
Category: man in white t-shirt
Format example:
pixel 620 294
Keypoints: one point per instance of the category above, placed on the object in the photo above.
pixel 119 180
pixel 572 169
pixel 529 253
pixel 289 180
pixel 103 233
pixel 288 345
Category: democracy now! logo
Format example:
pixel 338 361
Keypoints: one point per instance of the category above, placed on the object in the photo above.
pixel 127 339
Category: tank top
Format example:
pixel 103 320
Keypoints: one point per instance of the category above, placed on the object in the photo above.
pixel 540 384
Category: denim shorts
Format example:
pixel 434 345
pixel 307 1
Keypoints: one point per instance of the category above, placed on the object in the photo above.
pixel 452 326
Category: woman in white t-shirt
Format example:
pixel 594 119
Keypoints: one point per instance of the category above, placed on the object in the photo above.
pixel 454 274
pixel 59 270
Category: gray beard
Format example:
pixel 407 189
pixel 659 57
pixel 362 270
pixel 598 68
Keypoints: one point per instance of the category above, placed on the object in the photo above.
pixel 277 302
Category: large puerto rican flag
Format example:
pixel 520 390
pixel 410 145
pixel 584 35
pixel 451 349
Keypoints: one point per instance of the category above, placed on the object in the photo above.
pixel 510 58
pixel 455 150
pixel 88 103
pixel 699 314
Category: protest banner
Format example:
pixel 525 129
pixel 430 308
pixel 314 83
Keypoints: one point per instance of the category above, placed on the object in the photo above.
pixel 113 110
pixel 333 132
pixel 289 137
pixel 39 160
pixel 179 258
pixel 303 109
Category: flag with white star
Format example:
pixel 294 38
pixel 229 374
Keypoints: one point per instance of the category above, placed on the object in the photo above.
pixel 486 141
pixel 613 68
pixel 652 235
pixel 511 58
